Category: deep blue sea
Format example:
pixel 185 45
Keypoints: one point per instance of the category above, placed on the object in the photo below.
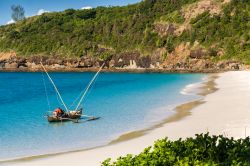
pixel 124 101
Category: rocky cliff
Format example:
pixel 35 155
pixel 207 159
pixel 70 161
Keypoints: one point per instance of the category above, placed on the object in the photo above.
pixel 186 61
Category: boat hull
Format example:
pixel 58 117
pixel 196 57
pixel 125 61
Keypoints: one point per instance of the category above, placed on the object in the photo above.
pixel 67 117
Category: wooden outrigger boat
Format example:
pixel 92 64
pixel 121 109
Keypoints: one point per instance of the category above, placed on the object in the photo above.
pixel 68 116
pixel 76 114
pixel 73 116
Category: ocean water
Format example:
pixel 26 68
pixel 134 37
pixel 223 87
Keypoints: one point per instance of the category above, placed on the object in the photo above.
pixel 124 101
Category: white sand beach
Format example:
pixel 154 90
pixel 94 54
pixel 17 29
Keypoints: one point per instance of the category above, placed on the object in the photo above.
pixel 226 111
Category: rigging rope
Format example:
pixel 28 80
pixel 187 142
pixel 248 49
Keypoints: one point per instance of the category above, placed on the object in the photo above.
pixel 90 83
pixel 81 93
pixel 55 87
pixel 58 100
pixel 77 98
pixel 90 89
pixel 45 89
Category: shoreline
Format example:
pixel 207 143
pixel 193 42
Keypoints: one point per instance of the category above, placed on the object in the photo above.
pixel 180 111
pixel 118 70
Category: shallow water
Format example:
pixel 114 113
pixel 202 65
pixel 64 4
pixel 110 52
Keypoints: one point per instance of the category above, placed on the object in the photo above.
pixel 124 101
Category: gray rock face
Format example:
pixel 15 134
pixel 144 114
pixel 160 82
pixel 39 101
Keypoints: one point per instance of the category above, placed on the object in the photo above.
pixel 196 61
pixel 112 63
pixel 235 66
pixel 229 65
pixel 57 66
pixel 23 67
pixel 198 54
pixel 130 60
pixel 164 29
pixel 2 64
pixel 31 65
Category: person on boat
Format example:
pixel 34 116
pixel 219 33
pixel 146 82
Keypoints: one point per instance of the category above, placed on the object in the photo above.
pixel 58 112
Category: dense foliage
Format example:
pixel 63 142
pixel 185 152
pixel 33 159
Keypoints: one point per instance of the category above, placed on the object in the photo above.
pixel 129 28
pixel 201 150
pixel 77 32
pixel 229 32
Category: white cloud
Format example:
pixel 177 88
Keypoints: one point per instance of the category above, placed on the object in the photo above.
pixel 86 7
pixel 41 11
pixel 10 22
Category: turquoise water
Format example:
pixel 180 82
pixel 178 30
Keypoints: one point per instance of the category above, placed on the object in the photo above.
pixel 124 101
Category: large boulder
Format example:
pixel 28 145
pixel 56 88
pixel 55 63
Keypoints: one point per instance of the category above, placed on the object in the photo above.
pixel 198 54
pixel 86 62
pixel 57 66
pixel 112 63
pixel 22 63
pixel 2 64
pixel 145 62
pixel 131 60
pixel 32 65
pixel 164 29
pixel 13 65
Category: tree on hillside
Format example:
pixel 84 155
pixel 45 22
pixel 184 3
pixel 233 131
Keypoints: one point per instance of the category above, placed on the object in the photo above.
pixel 18 12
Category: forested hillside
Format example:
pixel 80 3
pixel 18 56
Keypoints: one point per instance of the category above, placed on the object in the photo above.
pixel 171 31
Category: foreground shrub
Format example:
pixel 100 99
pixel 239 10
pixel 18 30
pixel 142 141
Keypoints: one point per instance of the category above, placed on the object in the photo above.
pixel 201 150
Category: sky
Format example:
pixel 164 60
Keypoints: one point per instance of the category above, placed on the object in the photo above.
pixel 35 7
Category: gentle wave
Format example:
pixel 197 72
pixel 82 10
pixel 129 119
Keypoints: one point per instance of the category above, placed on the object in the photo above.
pixel 192 89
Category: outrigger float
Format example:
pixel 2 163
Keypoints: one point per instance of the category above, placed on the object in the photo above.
pixel 70 115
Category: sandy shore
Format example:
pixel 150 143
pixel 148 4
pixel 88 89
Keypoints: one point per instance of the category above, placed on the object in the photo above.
pixel 226 111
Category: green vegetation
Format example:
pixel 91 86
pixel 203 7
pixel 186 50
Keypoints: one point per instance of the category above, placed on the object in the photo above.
pixel 174 17
pixel 201 150
pixel 76 33
pixel 229 32
pixel 80 32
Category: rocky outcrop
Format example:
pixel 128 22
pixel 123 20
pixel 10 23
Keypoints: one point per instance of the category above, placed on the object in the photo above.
pixel 164 29
pixel 230 65
pixel 198 54
pixel 195 58
pixel 183 58
pixel 7 55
